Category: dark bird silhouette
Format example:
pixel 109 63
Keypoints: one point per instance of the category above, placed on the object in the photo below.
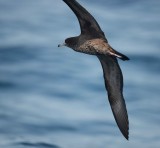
pixel 92 41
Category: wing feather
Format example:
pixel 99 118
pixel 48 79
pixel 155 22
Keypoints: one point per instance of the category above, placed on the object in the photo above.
pixel 114 85
pixel 87 22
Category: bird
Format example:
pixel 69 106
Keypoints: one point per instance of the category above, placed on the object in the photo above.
pixel 92 41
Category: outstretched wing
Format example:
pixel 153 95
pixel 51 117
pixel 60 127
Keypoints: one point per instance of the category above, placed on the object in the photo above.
pixel 114 85
pixel 87 22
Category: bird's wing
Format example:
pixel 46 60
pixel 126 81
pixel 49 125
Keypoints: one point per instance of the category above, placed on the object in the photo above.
pixel 87 22
pixel 114 85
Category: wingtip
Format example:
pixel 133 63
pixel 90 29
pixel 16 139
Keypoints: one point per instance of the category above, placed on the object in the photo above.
pixel 126 135
pixel 121 117
pixel 125 128
pixel 127 138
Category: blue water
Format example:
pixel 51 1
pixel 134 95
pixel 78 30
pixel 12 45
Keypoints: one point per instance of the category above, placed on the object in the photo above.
pixel 53 97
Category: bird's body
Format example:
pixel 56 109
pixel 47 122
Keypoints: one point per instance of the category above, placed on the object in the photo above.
pixel 98 46
pixel 93 41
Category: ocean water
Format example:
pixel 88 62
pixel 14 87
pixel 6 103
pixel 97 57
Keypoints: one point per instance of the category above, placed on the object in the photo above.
pixel 53 97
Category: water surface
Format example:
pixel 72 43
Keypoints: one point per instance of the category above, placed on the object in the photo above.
pixel 53 97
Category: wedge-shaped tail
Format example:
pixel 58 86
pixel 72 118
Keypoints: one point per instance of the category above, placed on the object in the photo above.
pixel 119 55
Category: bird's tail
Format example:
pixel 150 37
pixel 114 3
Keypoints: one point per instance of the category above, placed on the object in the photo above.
pixel 117 54
pixel 121 56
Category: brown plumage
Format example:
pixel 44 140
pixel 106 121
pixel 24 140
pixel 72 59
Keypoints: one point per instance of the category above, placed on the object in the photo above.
pixel 93 41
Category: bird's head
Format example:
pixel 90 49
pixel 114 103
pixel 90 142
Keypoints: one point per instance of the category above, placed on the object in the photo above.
pixel 70 42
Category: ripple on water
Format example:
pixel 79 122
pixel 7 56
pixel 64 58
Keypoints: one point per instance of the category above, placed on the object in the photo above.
pixel 37 145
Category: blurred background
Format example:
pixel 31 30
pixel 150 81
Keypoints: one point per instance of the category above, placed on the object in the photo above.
pixel 53 97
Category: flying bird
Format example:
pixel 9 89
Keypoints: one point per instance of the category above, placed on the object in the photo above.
pixel 92 41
